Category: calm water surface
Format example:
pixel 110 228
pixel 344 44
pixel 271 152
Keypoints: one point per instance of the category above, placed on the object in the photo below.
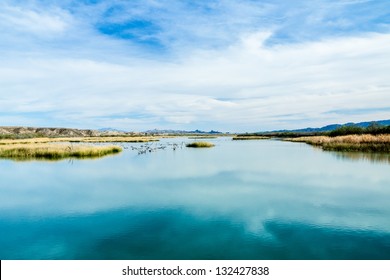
pixel 239 200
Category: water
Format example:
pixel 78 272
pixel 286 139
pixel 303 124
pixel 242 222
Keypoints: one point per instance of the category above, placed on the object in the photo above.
pixel 263 199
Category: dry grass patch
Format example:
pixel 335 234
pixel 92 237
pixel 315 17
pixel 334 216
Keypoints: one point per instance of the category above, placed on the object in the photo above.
pixel 55 151
pixel 349 143
pixel 130 139
pixel 29 141
pixel 200 145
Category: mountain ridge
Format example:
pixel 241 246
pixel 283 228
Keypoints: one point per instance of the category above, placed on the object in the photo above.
pixel 330 127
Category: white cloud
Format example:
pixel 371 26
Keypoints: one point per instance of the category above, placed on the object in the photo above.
pixel 32 21
pixel 247 85
pixel 90 80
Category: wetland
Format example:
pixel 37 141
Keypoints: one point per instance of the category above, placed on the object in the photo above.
pixel 264 199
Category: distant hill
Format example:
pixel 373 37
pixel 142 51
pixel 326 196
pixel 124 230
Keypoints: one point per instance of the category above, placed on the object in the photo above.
pixel 109 129
pixel 331 127
pixel 47 131
pixel 27 132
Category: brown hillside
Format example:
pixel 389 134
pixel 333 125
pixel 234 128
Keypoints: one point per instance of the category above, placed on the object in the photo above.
pixel 48 132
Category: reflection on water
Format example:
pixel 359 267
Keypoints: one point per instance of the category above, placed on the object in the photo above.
pixel 238 200
pixel 373 157
pixel 176 234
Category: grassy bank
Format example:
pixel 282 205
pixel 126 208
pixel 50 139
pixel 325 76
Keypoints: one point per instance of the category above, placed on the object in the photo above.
pixel 349 143
pixel 130 139
pixel 54 151
pixel 200 145
pixel 202 137
pixel 251 137
pixel 21 136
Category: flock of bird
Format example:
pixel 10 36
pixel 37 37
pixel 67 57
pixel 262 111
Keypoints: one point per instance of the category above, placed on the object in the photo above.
pixel 153 147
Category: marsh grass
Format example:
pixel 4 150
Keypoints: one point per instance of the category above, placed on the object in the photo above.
pixel 251 137
pixel 21 136
pixel 47 151
pixel 202 137
pixel 29 141
pixel 121 139
pixel 200 145
pixel 349 143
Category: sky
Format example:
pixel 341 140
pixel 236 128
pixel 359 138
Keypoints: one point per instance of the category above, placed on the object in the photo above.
pixel 228 65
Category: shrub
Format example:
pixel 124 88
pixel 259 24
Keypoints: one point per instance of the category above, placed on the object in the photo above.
pixel 346 130
pixel 200 145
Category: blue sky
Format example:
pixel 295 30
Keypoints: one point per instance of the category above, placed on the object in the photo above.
pixel 227 65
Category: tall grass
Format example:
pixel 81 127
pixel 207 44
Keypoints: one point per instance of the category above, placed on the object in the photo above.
pixel 130 139
pixel 55 151
pixel 200 145
pixel 349 143
pixel 21 136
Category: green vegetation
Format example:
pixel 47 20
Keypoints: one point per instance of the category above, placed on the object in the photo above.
pixel 373 129
pixel 21 136
pixel 200 145
pixel 346 130
pixel 54 151
pixel 290 134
